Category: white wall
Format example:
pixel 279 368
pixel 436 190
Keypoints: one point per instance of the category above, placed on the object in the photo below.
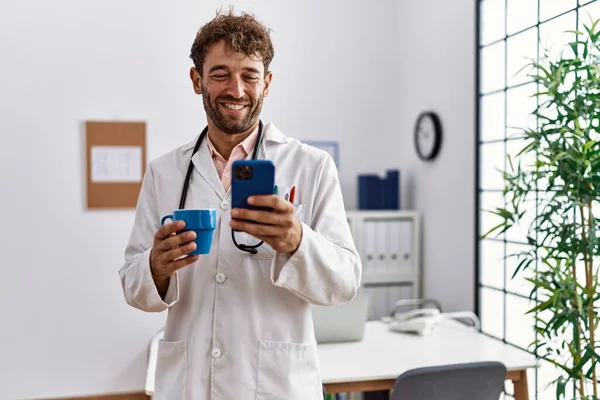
pixel 436 71
pixel 66 329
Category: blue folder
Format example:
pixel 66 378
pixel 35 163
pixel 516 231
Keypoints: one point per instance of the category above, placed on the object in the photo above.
pixel 376 193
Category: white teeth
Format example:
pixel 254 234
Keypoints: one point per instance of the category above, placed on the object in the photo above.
pixel 236 107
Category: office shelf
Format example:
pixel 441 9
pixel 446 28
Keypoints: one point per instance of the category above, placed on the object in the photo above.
pixel 389 243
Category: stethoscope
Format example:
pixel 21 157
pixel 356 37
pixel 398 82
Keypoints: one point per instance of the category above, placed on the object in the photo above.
pixel 252 249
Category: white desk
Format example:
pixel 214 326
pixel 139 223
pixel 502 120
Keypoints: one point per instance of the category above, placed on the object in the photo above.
pixel 374 363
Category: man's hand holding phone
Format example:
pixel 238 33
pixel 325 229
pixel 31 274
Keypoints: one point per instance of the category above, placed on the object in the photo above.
pixel 278 228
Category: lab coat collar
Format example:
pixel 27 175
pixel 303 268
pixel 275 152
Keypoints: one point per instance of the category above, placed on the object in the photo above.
pixel 206 168
pixel 271 134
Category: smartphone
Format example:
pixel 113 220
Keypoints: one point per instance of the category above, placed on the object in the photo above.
pixel 249 178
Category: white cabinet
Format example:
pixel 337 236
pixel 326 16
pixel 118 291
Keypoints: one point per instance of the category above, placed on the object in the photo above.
pixel 389 243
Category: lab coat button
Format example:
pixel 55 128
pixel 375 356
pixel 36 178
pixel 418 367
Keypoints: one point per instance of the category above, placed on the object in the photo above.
pixel 220 278
pixel 225 204
pixel 216 353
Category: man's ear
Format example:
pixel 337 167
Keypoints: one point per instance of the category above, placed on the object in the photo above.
pixel 196 80
pixel 268 79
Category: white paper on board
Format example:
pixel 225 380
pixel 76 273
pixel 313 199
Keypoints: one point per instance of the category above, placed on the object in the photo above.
pixel 116 164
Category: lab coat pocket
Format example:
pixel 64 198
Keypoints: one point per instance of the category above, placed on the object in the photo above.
pixel 287 371
pixel 171 371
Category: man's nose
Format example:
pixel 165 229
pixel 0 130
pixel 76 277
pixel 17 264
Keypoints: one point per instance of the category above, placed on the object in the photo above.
pixel 236 87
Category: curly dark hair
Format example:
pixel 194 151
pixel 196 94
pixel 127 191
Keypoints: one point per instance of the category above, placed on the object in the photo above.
pixel 243 34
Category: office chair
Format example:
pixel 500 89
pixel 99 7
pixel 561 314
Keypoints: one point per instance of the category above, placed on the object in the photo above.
pixel 470 381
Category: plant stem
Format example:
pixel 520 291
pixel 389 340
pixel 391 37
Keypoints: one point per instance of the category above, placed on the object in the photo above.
pixel 590 309
pixel 577 341
pixel 584 238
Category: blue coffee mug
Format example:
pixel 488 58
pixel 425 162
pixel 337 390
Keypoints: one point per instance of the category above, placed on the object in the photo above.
pixel 201 221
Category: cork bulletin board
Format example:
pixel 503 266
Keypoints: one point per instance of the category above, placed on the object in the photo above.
pixel 115 163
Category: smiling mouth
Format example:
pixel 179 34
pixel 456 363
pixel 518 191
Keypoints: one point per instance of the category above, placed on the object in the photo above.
pixel 233 107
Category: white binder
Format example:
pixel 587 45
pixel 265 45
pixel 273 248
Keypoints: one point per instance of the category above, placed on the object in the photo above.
pixel 369 240
pixel 402 231
pixel 381 246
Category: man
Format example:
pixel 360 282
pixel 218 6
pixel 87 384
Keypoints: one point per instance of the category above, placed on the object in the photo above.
pixel 239 325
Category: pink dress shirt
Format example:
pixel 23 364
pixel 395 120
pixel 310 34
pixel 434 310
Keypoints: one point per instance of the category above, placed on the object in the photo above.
pixel 239 152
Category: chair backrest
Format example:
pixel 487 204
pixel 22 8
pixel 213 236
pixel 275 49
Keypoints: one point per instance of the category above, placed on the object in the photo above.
pixel 471 381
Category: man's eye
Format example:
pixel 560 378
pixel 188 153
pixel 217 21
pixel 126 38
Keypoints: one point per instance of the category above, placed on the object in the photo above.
pixel 252 78
pixel 221 76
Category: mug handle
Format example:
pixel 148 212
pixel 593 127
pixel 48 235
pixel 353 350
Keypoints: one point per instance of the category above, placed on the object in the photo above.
pixel 166 217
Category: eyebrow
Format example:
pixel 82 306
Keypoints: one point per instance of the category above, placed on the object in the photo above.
pixel 225 68
pixel 250 69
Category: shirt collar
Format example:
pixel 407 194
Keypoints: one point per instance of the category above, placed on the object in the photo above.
pixel 271 134
pixel 247 145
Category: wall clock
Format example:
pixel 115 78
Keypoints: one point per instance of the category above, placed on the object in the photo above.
pixel 428 135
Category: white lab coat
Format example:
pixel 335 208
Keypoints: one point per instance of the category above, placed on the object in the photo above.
pixel 239 326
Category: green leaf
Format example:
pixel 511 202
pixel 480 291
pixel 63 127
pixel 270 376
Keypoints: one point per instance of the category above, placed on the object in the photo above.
pixel 512 168
pixel 592 30
pixel 579 303
pixel 587 355
pixel 589 144
pixel 561 385
pixel 544 70
pixel 574 48
pixel 539 283
pixel 504 213
pixel 492 230
pixel 540 307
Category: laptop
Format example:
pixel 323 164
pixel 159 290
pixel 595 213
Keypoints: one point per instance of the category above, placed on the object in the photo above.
pixel 342 323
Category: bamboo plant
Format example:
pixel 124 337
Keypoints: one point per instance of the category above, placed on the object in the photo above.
pixel 559 194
